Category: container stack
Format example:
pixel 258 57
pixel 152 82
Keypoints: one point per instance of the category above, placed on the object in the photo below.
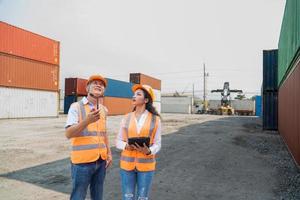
pixel 289 78
pixel 29 78
pixel 270 90
pixel 258 106
pixel 117 96
pixel 138 78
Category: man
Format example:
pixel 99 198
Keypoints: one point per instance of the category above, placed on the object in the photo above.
pixel 86 128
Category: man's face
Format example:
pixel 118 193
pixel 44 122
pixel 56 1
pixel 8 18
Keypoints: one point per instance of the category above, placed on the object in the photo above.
pixel 96 88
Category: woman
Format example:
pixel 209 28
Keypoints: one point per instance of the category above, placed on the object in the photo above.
pixel 137 162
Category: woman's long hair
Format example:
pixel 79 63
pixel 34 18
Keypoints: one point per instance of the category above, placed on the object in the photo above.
pixel 149 104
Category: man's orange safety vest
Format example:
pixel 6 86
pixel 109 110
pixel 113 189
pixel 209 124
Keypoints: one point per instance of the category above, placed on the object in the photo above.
pixel 131 160
pixel 90 145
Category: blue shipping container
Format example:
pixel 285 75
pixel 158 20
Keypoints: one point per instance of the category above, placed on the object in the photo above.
pixel 258 106
pixel 270 111
pixel 117 88
pixel 270 70
pixel 68 101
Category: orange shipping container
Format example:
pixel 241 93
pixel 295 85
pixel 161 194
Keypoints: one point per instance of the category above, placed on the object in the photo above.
pixel 19 42
pixel 118 106
pixel 24 73
pixel 143 79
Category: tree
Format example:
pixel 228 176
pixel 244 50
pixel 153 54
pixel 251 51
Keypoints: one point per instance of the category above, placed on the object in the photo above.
pixel 240 96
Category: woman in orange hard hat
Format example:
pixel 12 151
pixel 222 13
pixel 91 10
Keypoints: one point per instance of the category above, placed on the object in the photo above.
pixel 137 160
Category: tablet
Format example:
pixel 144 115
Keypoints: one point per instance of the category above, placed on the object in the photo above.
pixel 139 140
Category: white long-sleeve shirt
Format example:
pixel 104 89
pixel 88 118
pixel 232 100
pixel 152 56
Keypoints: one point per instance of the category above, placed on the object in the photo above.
pixel 154 148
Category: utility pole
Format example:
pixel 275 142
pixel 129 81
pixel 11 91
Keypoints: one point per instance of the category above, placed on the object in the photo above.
pixel 204 87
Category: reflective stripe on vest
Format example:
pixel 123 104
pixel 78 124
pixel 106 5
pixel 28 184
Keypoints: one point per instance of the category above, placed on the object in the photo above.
pixel 88 147
pixel 139 160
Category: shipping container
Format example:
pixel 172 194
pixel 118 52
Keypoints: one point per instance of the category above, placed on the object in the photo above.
pixel 157 105
pixel 118 106
pixel 68 100
pixel 289 41
pixel 214 104
pixel 157 94
pixel 115 105
pixel 289 112
pixel 19 42
pixel 176 105
pixel 24 103
pixel 143 79
pixel 258 106
pixel 24 73
pixel 75 86
pixel 243 105
pixel 115 88
pixel 270 110
pixel 270 70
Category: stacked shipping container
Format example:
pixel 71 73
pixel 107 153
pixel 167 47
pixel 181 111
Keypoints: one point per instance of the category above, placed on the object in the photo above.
pixel 289 78
pixel 29 65
pixel 138 78
pixel 270 90
pixel 117 98
pixel 118 94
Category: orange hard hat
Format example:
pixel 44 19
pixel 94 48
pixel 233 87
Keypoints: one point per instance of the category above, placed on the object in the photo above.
pixel 147 88
pixel 97 77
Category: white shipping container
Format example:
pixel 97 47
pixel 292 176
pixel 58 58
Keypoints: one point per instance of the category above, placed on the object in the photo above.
pixel 214 104
pixel 176 108
pixel 176 100
pixel 157 105
pixel 243 105
pixel 22 103
pixel 157 94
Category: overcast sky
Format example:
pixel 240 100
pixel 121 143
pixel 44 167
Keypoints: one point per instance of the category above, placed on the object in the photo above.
pixel 167 39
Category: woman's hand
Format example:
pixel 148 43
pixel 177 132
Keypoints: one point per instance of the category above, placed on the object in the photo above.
pixel 144 149
pixel 129 147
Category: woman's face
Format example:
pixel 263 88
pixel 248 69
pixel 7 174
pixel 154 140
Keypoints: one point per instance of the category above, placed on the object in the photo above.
pixel 138 98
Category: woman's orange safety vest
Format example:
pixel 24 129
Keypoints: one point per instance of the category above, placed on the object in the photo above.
pixel 131 160
pixel 90 146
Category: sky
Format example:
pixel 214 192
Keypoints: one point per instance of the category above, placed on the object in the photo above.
pixel 167 39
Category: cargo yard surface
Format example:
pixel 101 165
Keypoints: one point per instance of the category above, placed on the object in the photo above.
pixel 214 157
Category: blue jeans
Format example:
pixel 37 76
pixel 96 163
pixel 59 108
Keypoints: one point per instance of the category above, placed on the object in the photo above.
pixel 88 174
pixel 135 179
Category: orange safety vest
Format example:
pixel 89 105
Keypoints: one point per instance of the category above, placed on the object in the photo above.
pixel 131 160
pixel 90 146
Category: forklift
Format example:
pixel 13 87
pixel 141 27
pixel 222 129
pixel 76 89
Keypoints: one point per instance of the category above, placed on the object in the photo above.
pixel 226 108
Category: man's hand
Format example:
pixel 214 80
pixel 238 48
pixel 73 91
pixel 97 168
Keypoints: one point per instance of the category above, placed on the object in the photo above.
pixel 93 116
pixel 108 160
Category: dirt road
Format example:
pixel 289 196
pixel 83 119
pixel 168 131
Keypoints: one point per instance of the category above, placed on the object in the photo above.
pixel 203 157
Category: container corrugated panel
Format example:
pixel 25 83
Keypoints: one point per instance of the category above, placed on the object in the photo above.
pixel 157 106
pixel 258 106
pixel 270 111
pixel 176 100
pixel 157 94
pixel 68 100
pixel 24 73
pixel 75 86
pixel 243 105
pixel 19 42
pixel 116 88
pixel 289 113
pixel 176 108
pixel 214 104
pixel 23 103
pixel 118 106
pixel 289 41
pixel 143 79
pixel 270 69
